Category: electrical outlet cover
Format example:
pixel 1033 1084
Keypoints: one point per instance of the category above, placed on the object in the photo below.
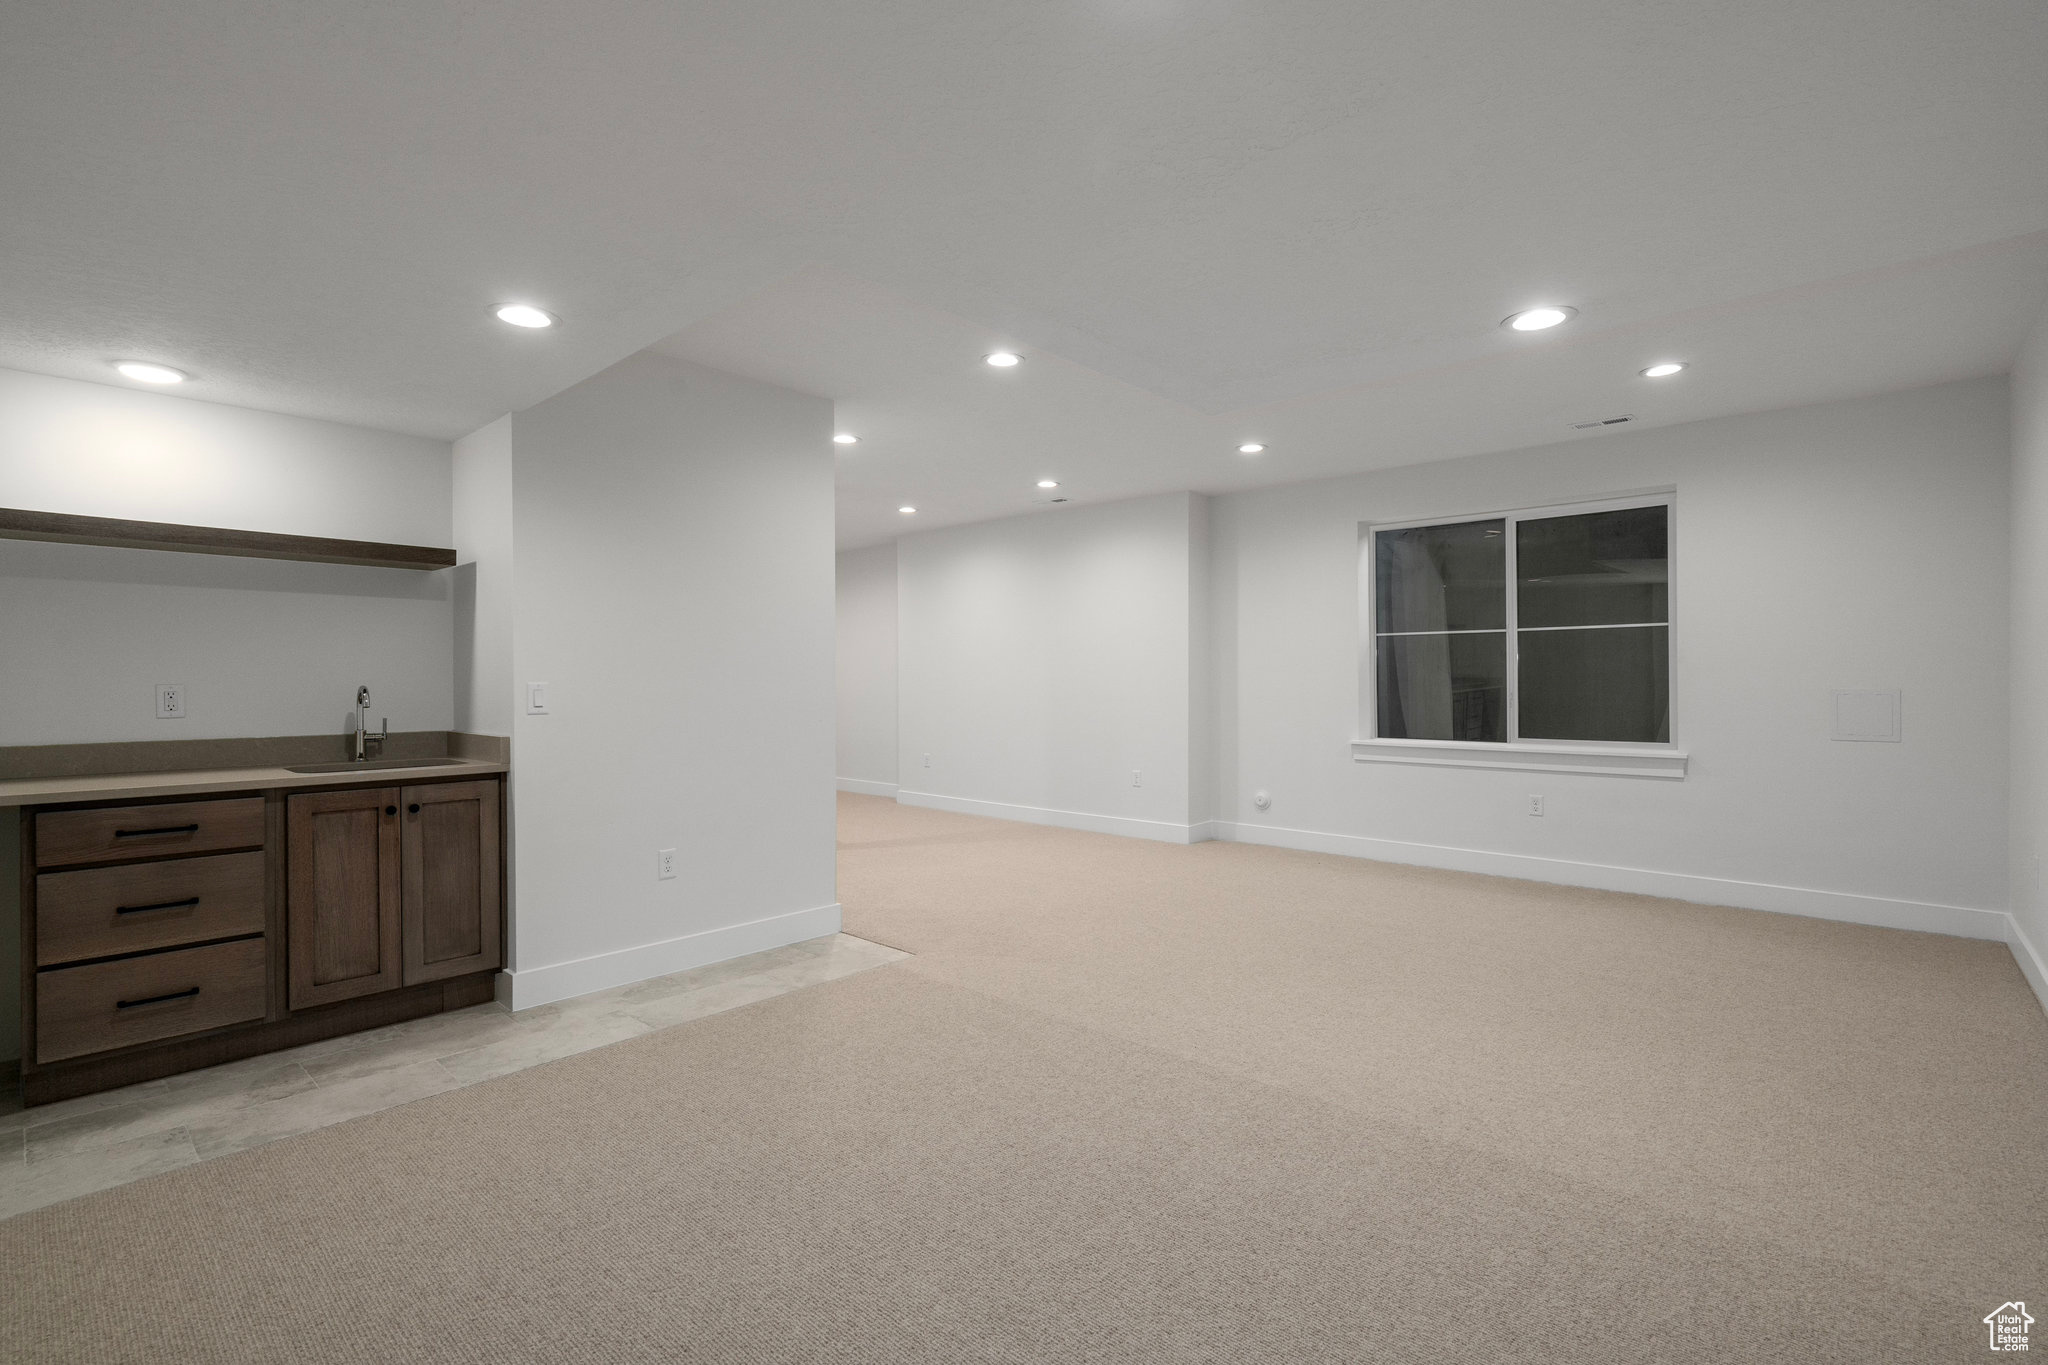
pixel 170 701
pixel 1867 716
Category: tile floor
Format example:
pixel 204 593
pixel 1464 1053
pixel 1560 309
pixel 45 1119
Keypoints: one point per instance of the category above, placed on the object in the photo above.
pixel 60 1151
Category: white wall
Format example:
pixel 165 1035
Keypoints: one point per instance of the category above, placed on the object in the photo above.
pixel 866 670
pixel 262 647
pixel 673 586
pixel 1045 657
pixel 106 451
pixel 1858 544
pixel 1203 735
pixel 482 589
pixel 2030 657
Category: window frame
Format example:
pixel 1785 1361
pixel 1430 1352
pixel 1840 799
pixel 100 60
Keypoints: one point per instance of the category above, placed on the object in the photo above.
pixel 1617 758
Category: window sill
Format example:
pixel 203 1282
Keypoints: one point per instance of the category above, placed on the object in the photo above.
pixel 1601 760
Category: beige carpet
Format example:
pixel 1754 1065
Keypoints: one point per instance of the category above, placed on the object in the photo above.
pixel 1144 1103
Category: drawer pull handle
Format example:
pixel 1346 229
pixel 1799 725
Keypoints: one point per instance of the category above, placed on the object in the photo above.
pixel 185 994
pixel 160 905
pixel 161 829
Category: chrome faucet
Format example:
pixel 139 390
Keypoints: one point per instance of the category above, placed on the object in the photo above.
pixel 363 725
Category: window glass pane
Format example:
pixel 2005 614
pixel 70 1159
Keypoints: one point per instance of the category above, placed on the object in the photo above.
pixel 1593 569
pixel 1441 577
pixel 1596 684
pixel 1444 686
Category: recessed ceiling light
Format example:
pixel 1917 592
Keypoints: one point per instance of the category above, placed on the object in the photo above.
pixel 525 315
pixel 845 438
pixel 1048 483
pixel 147 373
pixel 1536 319
pixel 906 510
pixel 1003 360
pixel 1250 448
pixel 1664 369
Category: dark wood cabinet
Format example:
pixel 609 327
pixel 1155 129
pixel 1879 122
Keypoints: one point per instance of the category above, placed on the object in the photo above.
pixel 128 1000
pixel 392 886
pixel 106 834
pixel 449 909
pixel 140 907
pixel 164 934
pixel 343 903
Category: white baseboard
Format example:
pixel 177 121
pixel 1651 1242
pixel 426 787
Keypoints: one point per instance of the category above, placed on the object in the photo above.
pixel 530 986
pixel 2032 966
pixel 1884 912
pixel 1161 830
pixel 866 788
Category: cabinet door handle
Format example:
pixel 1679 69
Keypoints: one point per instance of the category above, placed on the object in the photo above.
pixel 391 810
pixel 185 994
pixel 160 905
pixel 160 829
pixel 413 809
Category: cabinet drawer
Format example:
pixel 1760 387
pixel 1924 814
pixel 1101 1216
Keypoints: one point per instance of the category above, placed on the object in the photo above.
pixel 121 833
pixel 142 999
pixel 103 911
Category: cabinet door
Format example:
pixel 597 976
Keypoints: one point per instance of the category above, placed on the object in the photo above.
pixel 452 905
pixel 343 894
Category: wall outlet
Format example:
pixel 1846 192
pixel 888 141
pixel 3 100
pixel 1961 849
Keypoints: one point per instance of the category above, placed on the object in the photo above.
pixel 1867 716
pixel 1135 780
pixel 536 699
pixel 927 760
pixel 1535 805
pixel 664 864
pixel 170 701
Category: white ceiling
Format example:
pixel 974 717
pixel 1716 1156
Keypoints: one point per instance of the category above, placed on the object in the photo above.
pixel 961 442
pixel 1200 219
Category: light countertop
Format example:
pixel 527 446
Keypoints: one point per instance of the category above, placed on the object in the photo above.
pixel 41 791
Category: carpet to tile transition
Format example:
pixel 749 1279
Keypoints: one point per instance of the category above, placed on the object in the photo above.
pixel 1141 1102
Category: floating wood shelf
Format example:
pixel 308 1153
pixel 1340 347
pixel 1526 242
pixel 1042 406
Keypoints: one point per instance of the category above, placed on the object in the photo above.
pixel 16 524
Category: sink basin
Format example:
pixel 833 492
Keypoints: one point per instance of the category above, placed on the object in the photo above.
pixel 374 765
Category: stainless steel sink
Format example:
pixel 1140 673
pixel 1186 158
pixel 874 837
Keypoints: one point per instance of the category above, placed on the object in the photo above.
pixel 374 765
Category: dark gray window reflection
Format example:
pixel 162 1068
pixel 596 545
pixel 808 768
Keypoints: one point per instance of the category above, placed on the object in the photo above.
pixel 1607 684
pixel 1441 577
pixel 1444 686
pixel 1593 569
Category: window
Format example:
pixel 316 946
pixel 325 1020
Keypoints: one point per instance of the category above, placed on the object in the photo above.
pixel 1524 629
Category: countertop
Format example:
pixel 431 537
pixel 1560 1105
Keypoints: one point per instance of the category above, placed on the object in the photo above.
pixel 41 791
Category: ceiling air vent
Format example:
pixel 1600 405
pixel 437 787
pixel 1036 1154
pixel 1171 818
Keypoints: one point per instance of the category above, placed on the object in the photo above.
pixel 1603 422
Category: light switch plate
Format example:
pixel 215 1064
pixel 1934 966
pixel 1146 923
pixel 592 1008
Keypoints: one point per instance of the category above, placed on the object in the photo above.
pixel 1869 716
pixel 536 699
pixel 170 701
